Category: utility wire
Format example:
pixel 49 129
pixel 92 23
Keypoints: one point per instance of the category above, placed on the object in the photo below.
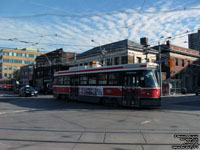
pixel 96 14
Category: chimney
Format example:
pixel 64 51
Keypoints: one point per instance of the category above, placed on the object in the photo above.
pixel 144 41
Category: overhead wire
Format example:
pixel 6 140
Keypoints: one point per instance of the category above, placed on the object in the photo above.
pixel 90 15
pixel 98 14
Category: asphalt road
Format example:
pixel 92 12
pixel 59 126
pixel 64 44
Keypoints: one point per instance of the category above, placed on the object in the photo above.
pixel 42 123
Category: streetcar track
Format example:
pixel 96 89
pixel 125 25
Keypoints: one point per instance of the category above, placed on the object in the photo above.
pixel 91 143
pixel 93 130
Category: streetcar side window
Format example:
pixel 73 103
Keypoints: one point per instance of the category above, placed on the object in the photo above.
pixel 74 80
pixel 83 80
pixel 113 78
pixel 92 79
pixel 55 81
pixel 60 80
pixel 66 80
pixel 102 78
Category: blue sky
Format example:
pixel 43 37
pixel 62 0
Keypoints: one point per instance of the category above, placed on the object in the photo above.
pixel 72 24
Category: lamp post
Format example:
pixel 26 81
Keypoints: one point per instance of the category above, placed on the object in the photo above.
pixel 103 51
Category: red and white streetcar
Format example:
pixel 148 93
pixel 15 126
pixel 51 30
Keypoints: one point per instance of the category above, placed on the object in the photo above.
pixel 7 84
pixel 135 85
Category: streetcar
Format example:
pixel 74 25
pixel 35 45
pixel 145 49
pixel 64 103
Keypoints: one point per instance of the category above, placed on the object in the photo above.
pixel 7 84
pixel 134 85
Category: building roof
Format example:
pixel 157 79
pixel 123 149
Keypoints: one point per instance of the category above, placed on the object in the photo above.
pixel 178 49
pixel 113 47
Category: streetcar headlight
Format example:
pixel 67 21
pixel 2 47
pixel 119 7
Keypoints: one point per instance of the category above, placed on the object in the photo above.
pixel 157 92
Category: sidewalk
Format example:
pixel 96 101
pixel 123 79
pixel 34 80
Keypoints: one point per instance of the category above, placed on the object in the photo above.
pixel 179 95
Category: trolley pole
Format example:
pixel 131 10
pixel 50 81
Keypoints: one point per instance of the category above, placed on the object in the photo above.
pixel 103 52
pixel 160 71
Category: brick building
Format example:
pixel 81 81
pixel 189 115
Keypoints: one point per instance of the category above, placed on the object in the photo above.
pixel 26 74
pixel 185 66
pixel 12 59
pixel 49 63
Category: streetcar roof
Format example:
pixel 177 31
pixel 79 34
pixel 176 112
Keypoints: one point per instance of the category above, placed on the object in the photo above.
pixel 124 67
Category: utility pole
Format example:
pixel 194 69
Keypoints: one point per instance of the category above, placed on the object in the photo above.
pixel 160 71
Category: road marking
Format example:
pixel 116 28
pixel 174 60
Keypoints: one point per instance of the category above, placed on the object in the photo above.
pixel 145 122
pixel 17 111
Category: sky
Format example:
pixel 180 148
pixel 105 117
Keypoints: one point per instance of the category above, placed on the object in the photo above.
pixel 72 24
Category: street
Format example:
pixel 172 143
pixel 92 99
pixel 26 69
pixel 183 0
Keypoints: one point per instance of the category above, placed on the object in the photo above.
pixel 42 123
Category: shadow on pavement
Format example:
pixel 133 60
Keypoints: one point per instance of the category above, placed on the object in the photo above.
pixel 47 102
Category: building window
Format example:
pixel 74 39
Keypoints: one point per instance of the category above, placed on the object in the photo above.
pixel 116 60
pixel 5 67
pixel 10 67
pixel 139 60
pixel 183 63
pixel 109 61
pixel 124 60
pixel 5 74
pixel 176 61
pixel 188 62
pixel 6 53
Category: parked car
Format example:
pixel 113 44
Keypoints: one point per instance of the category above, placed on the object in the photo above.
pixel 27 91
pixel 197 92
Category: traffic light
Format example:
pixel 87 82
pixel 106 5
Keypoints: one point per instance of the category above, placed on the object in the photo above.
pixel 171 63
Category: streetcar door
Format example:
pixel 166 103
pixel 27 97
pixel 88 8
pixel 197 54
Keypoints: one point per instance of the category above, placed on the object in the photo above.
pixel 130 91
pixel 74 89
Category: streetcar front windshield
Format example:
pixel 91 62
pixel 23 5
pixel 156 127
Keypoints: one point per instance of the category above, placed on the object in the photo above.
pixel 148 79
pixel 144 79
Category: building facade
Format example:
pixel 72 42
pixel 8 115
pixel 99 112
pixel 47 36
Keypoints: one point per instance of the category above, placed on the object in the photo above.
pixel 47 64
pixel 194 41
pixel 26 75
pixel 184 70
pixel 121 52
pixel 12 59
